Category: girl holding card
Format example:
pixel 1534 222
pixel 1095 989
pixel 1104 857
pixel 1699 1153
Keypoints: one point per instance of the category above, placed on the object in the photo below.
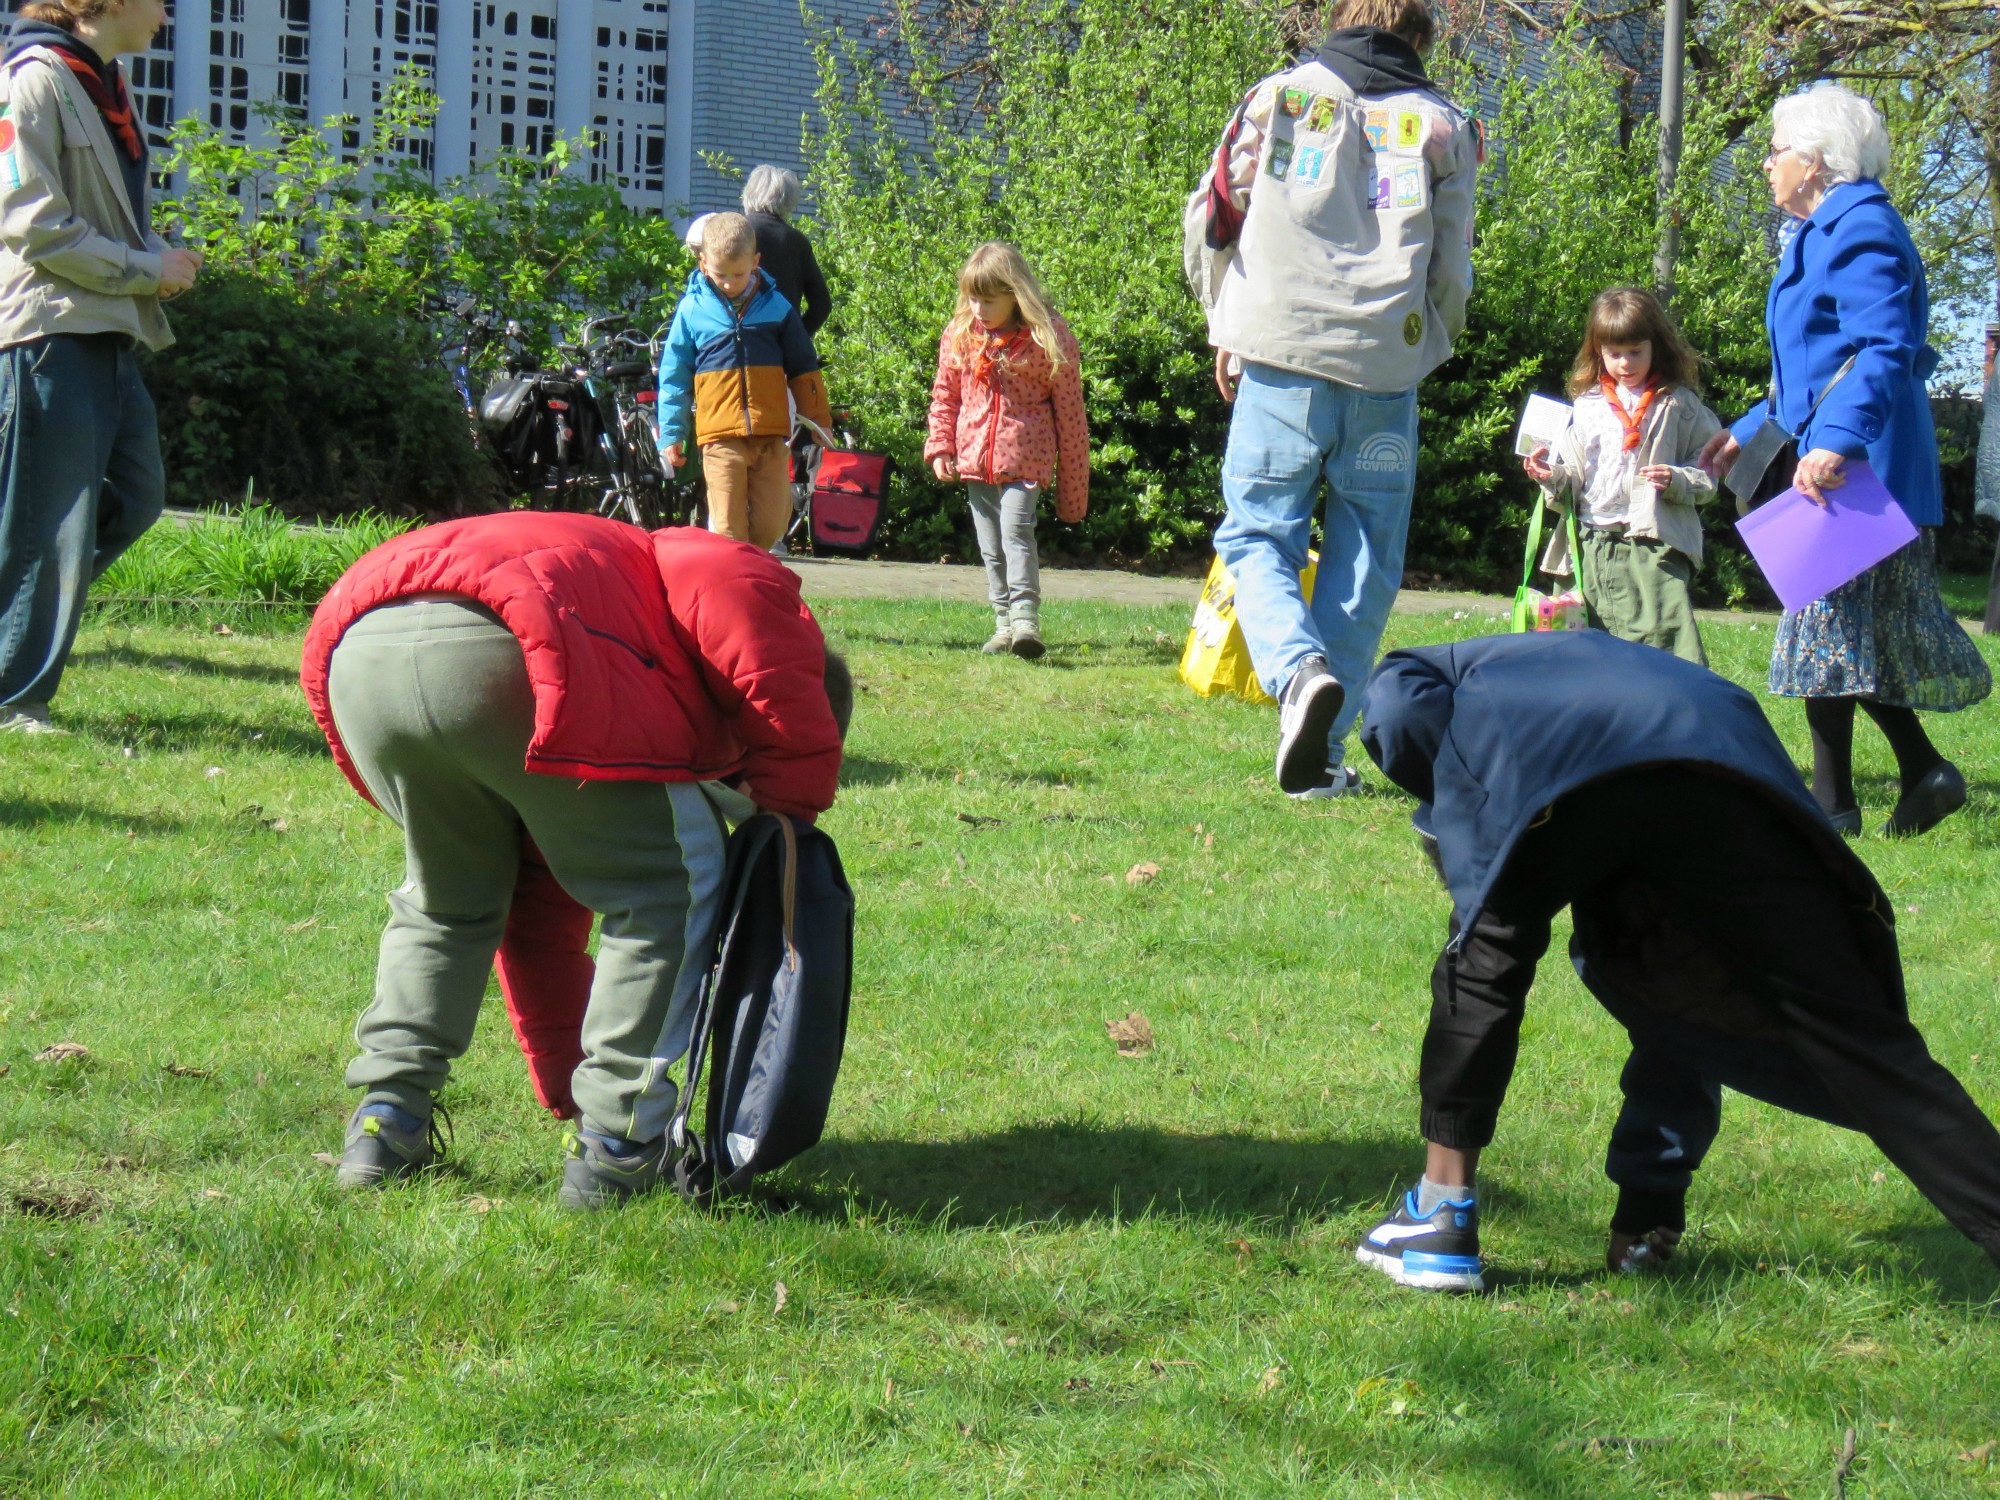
pixel 1630 465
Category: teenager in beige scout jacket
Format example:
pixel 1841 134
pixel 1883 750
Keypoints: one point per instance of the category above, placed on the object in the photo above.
pixel 82 275
pixel 1629 467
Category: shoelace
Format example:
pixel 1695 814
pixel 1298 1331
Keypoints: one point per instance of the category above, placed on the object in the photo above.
pixel 442 1142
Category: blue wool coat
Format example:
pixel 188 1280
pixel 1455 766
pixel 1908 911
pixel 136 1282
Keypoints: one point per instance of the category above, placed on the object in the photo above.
pixel 1850 283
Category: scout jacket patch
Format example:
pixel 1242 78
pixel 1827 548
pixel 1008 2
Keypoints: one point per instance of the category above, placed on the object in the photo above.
pixel 1413 329
pixel 1310 164
pixel 1320 117
pixel 1293 102
pixel 1281 159
pixel 1376 125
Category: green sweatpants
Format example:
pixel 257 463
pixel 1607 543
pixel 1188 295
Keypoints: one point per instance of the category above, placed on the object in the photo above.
pixel 432 700
pixel 1638 590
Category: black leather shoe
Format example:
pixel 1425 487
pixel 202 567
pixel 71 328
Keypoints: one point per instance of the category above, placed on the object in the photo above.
pixel 1935 797
pixel 1846 820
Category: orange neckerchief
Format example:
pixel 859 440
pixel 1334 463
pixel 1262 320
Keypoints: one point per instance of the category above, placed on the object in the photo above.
pixel 987 362
pixel 1632 421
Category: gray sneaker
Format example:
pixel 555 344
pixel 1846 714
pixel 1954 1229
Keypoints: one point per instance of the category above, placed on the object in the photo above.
pixel 27 718
pixel 1001 641
pixel 595 1176
pixel 385 1143
pixel 1026 640
pixel 1306 710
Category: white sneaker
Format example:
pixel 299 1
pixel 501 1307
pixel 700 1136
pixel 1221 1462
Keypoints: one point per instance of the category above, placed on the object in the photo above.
pixel 1307 708
pixel 27 718
pixel 1339 781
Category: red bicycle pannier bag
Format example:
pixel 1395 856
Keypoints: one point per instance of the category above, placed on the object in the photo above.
pixel 850 492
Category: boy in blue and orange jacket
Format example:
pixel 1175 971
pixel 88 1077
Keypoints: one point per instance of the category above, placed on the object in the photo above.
pixel 737 359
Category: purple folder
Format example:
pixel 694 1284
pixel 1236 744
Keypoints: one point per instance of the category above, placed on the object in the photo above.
pixel 1806 552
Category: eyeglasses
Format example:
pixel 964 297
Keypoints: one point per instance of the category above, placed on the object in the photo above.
pixel 1777 151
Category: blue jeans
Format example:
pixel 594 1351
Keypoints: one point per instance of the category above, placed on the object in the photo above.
pixel 1286 431
pixel 80 480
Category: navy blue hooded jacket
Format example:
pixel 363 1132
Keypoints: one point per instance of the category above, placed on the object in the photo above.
pixel 1489 733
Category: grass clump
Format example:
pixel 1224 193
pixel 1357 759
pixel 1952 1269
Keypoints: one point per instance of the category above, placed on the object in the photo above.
pixel 1021 1264
pixel 254 561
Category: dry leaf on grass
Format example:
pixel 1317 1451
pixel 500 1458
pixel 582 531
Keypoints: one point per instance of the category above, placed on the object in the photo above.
pixel 1142 872
pixel 1982 1454
pixel 780 1295
pixel 1271 1380
pixel 213 1193
pixel 1134 1035
pixel 326 1158
pixel 62 1052
pixel 181 1070
pixel 1077 1383
pixel 5 1069
pixel 481 1205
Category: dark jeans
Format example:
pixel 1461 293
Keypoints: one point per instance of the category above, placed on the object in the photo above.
pixel 80 480
pixel 1724 943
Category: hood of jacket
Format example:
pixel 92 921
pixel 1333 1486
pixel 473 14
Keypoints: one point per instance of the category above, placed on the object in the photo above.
pixel 1488 733
pixel 28 34
pixel 1372 61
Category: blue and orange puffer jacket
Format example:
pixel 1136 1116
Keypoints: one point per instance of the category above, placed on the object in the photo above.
pixel 732 370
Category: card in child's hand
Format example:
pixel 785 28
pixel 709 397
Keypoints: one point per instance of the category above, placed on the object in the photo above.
pixel 1543 422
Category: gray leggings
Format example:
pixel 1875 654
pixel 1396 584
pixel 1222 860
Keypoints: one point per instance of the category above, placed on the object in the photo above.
pixel 1004 517
pixel 432 700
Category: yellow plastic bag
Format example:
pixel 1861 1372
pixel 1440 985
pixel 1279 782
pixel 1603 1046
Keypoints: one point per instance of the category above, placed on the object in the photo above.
pixel 1216 659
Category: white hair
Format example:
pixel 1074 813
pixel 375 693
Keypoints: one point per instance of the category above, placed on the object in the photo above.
pixel 771 190
pixel 1836 125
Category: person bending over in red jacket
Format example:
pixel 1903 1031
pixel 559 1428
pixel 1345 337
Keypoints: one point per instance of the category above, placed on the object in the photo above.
pixel 563 714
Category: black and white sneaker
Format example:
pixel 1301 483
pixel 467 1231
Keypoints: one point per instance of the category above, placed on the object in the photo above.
pixel 1434 1253
pixel 1306 710
pixel 1338 781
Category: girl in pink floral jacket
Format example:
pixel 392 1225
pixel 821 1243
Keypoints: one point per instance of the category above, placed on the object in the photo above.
pixel 1007 418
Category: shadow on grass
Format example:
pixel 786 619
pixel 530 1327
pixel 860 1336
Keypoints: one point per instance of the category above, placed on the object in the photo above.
pixel 20 812
pixel 1077 1171
pixel 859 770
pixel 200 731
pixel 186 664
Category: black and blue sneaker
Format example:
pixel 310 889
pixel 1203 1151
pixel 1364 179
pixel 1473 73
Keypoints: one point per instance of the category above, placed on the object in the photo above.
pixel 1435 1252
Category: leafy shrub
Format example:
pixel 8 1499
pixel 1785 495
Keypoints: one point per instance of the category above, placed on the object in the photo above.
pixel 323 407
pixel 1096 119
pixel 307 360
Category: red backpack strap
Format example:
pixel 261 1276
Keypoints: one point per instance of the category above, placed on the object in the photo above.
pixel 1225 219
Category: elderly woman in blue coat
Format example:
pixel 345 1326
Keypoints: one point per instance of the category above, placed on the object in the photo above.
pixel 1847 316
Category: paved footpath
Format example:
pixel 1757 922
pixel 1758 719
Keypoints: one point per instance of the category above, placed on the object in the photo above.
pixel 848 578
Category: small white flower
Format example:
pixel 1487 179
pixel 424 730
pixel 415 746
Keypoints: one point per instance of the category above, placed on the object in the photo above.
pixel 212 772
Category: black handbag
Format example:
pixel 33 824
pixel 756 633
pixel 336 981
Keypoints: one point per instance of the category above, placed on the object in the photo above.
pixel 771 1022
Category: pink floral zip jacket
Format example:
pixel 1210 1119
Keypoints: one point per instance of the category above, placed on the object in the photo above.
pixel 1007 414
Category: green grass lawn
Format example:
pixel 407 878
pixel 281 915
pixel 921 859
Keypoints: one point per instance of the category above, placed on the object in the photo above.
pixel 1021 1264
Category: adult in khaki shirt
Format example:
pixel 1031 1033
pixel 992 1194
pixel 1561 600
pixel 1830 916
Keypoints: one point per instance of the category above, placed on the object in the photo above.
pixel 82 276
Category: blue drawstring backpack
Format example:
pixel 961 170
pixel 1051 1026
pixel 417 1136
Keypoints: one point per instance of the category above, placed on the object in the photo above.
pixel 772 1017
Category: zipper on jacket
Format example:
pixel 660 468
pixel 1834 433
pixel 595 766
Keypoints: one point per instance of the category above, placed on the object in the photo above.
pixel 993 422
pixel 617 640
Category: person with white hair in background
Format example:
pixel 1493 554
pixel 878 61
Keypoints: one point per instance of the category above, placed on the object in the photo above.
pixel 1847 316
pixel 770 198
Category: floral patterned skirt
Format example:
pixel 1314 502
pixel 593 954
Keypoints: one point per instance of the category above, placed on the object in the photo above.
pixel 1886 636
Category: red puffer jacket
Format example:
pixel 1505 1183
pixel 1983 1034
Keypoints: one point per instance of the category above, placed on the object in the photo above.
pixel 674 655
pixel 1008 413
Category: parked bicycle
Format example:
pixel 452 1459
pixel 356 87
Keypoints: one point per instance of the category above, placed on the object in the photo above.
pixel 578 436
